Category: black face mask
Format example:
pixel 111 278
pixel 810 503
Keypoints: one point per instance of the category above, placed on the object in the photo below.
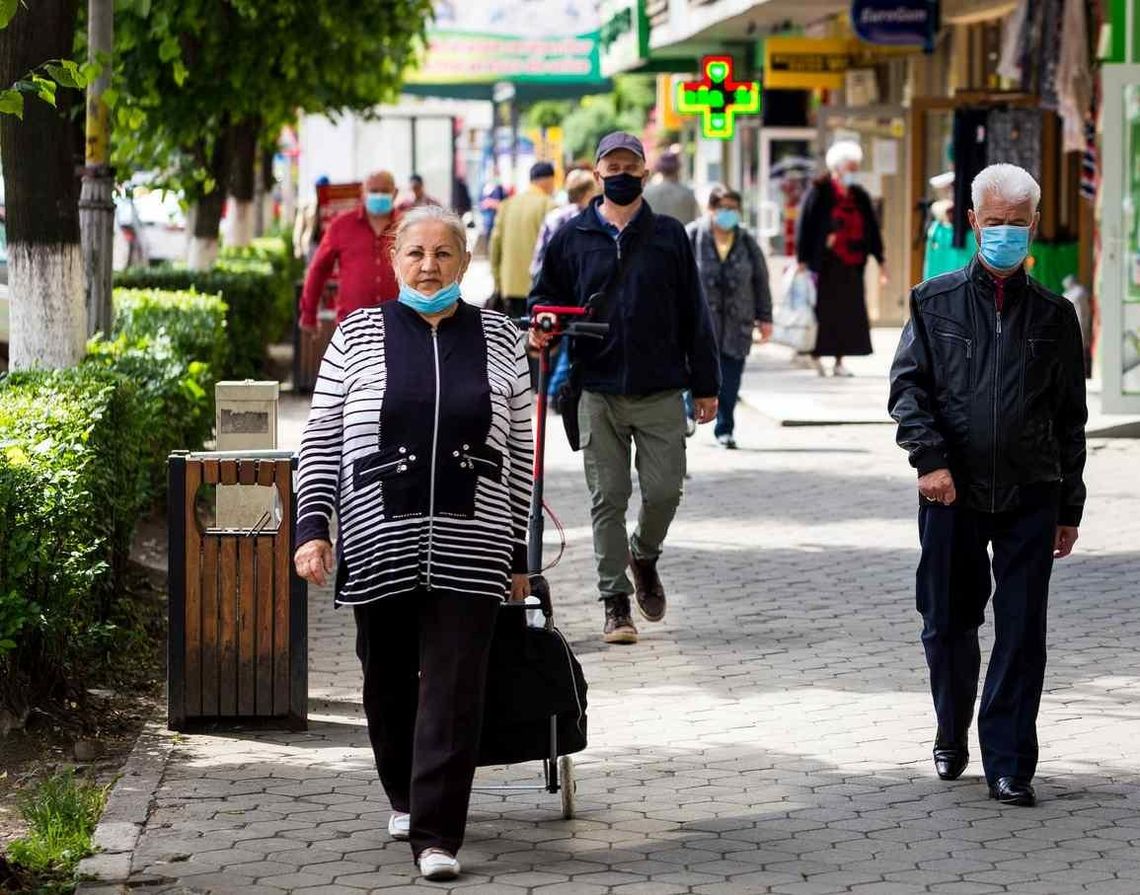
pixel 622 189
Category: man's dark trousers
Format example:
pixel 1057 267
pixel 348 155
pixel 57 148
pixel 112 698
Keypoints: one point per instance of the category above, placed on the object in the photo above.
pixel 953 589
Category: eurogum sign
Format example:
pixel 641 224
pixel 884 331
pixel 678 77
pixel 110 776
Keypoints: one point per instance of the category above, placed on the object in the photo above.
pixel 896 22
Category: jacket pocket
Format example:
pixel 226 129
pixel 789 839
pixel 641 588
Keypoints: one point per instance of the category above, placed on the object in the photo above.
pixel 954 374
pixel 399 474
pixel 457 477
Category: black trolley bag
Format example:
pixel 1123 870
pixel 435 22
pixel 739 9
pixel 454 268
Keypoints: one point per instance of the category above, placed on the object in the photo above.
pixel 535 705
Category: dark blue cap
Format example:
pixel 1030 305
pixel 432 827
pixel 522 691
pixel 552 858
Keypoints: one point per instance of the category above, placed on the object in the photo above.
pixel 619 140
pixel 540 170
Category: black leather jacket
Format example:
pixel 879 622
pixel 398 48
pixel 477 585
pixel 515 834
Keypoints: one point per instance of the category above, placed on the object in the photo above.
pixel 998 399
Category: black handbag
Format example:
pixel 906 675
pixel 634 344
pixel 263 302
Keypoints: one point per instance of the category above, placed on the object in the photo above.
pixel 570 392
pixel 532 678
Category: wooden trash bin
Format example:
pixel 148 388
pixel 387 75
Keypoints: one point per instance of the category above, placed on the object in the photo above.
pixel 238 625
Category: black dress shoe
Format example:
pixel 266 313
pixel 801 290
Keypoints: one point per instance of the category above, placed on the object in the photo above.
pixel 950 761
pixel 1012 791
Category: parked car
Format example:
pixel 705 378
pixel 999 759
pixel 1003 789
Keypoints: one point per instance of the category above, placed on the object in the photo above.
pixel 150 227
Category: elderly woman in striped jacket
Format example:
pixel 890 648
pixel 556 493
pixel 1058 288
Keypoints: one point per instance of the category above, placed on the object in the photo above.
pixel 420 438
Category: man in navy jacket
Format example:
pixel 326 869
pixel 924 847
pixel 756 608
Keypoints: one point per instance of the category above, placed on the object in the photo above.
pixel 636 269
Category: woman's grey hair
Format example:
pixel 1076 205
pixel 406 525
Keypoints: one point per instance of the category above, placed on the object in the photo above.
pixel 1008 182
pixel 424 213
pixel 844 151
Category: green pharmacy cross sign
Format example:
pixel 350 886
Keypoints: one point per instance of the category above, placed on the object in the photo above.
pixel 717 98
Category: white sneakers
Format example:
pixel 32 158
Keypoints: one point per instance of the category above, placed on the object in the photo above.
pixel 400 826
pixel 436 865
pixel 842 372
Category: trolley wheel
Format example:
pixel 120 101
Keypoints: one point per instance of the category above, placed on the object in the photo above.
pixel 567 784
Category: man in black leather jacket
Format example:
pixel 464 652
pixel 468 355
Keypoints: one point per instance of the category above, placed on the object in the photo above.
pixel 988 392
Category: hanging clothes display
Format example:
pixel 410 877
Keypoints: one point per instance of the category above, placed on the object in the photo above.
pixel 1074 77
pixel 1013 31
pixel 1050 51
pixel 1014 136
pixel 969 140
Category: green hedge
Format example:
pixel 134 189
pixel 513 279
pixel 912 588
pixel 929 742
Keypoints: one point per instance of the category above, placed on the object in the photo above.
pixel 72 484
pixel 82 455
pixel 257 283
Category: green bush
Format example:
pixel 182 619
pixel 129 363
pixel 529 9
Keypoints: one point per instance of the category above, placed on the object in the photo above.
pixel 61 814
pixel 251 290
pixel 175 397
pixel 195 323
pixel 72 483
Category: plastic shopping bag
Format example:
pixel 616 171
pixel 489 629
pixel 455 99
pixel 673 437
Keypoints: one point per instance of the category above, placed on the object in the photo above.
pixel 793 322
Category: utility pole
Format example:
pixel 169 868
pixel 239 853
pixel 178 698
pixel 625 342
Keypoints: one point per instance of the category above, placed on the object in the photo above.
pixel 96 207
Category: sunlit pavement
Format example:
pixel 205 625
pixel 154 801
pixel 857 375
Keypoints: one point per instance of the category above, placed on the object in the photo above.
pixel 771 735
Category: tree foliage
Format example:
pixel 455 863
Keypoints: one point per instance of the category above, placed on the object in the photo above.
pixel 190 73
pixel 586 122
pixel 43 81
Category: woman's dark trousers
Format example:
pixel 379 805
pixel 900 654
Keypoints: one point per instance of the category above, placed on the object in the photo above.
pixel 424 656
pixel 953 589
pixel 731 373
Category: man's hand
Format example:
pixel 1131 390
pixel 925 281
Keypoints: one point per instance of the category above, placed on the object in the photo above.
pixel 1064 541
pixel 536 337
pixel 520 587
pixel 765 331
pixel 938 487
pixel 314 561
pixel 705 409
pixel 308 327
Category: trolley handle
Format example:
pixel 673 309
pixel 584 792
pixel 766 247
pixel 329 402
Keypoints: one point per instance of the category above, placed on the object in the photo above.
pixel 591 330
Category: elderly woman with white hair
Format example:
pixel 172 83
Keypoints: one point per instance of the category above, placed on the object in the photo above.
pixel 420 438
pixel 988 389
pixel 836 232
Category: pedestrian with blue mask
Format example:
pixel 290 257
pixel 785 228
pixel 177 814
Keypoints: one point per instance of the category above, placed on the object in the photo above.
pixel 357 248
pixel 988 390
pixel 419 438
pixel 734 276
pixel 836 232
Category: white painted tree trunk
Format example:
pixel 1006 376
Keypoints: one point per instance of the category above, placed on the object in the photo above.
pixel 48 312
pixel 203 252
pixel 241 223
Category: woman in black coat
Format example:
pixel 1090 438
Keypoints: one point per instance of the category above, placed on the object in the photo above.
pixel 835 234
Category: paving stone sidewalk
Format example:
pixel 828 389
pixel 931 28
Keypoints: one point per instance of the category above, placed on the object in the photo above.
pixel 772 735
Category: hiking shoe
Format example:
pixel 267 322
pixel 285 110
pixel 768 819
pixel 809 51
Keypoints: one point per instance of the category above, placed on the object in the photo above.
pixel 437 865
pixel 619 626
pixel 650 593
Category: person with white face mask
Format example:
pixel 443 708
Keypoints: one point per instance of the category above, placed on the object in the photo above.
pixel 420 438
pixel 988 390
pixel 358 246
pixel 836 232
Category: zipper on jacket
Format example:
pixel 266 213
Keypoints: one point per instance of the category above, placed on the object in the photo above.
pixel 969 343
pixel 376 471
pixel 434 455
pixel 471 460
pixel 997 381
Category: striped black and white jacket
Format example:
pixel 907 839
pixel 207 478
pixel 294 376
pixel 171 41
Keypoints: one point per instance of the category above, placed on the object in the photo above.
pixel 420 438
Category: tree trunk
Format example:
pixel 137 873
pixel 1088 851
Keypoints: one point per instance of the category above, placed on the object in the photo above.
pixel 243 179
pixel 45 264
pixel 207 211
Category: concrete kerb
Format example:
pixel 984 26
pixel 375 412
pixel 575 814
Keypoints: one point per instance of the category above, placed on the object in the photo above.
pixel 125 815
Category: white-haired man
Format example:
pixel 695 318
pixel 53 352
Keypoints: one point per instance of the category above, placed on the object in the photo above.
pixel 988 391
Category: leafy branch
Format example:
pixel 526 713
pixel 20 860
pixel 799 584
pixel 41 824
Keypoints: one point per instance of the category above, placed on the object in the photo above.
pixel 43 81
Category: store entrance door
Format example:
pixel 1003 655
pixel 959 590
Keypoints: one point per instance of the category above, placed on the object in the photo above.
pixel 788 159
pixel 1120 239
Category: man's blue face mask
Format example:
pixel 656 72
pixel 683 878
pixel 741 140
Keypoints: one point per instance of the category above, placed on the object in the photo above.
pixel 1005 246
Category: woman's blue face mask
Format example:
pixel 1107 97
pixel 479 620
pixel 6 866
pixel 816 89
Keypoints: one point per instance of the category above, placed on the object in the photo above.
pixel 429 304
pixel 726 218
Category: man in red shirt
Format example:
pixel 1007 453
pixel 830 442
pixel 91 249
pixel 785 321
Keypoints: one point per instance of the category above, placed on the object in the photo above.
pixel 360 242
